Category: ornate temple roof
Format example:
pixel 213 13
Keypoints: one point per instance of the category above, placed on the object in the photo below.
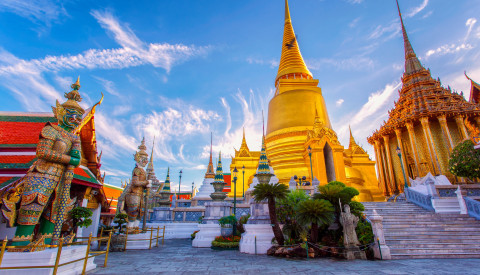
pixel 474 91
pixel 263 166
pixel 421 95
pixel 166 184
pixel 219 172
pixel 291 60
pixel 353 147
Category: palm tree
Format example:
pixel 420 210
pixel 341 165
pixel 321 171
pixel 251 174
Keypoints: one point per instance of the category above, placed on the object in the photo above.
pixel 316 213
pixel 271 192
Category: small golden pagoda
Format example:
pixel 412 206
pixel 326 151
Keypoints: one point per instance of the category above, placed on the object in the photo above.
pixel 244 158
pixel 298 119
pixel 426 123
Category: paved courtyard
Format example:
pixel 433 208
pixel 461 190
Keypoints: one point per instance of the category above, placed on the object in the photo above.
pixel 178 256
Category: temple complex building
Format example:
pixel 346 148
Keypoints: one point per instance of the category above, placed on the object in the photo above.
pixel 244 160
pixel 426 123
pixel 292 130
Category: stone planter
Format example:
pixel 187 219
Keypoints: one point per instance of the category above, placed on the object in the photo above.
pixel 117 243
pixel 226 230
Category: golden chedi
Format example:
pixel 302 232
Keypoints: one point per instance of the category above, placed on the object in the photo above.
pixel 298 119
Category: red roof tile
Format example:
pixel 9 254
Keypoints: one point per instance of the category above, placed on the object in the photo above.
pixel 16 159
pixel 12 133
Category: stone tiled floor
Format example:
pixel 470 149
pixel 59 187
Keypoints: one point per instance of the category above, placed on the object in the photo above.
pixel 178 256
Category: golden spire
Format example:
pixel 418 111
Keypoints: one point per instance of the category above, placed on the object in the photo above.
pixel 150 163
pixel 210 173
pixel 244 142
pixel 291 60
pixel 412 64
pixel 352 140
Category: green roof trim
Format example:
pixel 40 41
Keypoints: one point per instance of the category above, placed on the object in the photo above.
pixel 92 178
pixel 9 181
pixel 44 119
pixel 17 165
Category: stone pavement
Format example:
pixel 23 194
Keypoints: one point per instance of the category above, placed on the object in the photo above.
pixel 178 257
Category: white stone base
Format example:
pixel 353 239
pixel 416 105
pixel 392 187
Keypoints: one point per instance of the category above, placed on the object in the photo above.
pixel 132 242
pixel 264 234
pixel 47 257
pixel 207 234
pixel 175 230
pixel 446 205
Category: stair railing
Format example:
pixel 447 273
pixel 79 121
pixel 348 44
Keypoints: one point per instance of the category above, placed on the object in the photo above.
pixel 422 200
pixel 473 207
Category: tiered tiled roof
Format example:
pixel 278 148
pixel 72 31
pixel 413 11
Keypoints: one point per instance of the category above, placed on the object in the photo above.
pixel 422 96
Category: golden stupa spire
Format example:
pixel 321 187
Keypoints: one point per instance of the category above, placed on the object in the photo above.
pixel 291 61
pixel 352 140
pixel 210 172
pixel 244 142
pixel 412 64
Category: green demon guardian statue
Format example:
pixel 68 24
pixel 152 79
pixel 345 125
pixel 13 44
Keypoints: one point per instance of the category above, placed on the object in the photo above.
pixel 133 195
pixel 42 196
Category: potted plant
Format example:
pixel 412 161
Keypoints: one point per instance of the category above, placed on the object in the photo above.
pixel 81 217
pixel 226 224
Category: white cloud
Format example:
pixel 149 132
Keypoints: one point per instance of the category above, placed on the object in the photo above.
pixel 355 1
pixel 357 63
pixel 470 24
pixel 121 110
pixel 41 12
pixel 370 115
pixel 390 30
pixel 354 22
pixel 108 85
pixel 271 62
pixel 339 102
pixel 418 9
pixel 448 49
pixel 25 78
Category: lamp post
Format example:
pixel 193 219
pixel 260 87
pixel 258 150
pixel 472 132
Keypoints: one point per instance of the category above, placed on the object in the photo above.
pixel 235 171
pixel 179 182
pixel 310 156
pixel 243 185
pixel 399 153
pixel 193 184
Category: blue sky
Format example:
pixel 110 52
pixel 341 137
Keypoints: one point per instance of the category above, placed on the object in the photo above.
pixel 178 70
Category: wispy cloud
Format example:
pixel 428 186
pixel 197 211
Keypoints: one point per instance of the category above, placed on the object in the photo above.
pixel 25 78
pixel 40 12
pixel 355 63
pixel 448 49
pixel 339 102
pixel 370 115
pixel 354 22
pixel 417 9
pixel 271 62
pixel 108 85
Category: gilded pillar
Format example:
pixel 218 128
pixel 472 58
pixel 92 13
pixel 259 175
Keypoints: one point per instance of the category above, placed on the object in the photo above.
pixel 461 126
pixel 442 119
pixel 413 145
pixel 318 163
pixel 393 184
pixel 430 144
pixel 398 133
pixel 477 120
pixel 339 163
pixel 380 168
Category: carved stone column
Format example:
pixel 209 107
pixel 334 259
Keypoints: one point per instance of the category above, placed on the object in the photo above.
pixel 461 126
pixel 398 133
pixel 413 144
pixel 380 168
pixel 393 183
pixel 442 119
pixel 430 144
pixel 381 251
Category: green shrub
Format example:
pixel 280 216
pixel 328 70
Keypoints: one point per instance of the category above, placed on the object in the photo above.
pixel 120 220
pixel 225 245
pixel 465 161
pixel 356 208
pixel 227 220
pixel 364 232
pixel 81 217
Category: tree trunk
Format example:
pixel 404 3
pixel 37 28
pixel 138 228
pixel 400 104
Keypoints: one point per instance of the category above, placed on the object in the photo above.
pixel 277 232
pixel 314 233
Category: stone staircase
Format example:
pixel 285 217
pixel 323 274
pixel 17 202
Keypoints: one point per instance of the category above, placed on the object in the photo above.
pixel 412 232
